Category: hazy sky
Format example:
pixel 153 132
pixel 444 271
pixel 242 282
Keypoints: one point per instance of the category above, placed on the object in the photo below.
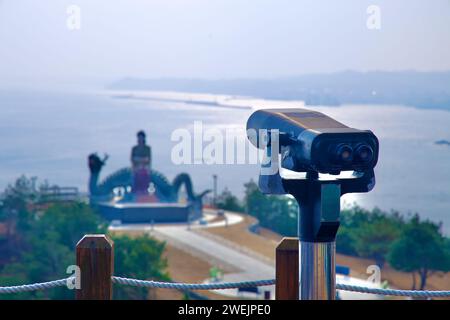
pixel 216 38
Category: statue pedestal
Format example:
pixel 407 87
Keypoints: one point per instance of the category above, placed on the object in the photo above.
pixel 146 198
pixel 146 212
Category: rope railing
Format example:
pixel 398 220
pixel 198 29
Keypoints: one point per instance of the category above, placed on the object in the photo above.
pixel 192 286
pixel 394 292
pixel 35 286
pixel 222 286
pixel 268 282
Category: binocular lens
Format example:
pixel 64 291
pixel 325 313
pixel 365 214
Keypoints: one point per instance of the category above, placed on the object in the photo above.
pixel 364 153
pixel 344 153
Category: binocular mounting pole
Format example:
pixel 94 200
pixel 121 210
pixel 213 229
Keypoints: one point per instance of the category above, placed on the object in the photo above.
pixel 319 203
pixel 319 209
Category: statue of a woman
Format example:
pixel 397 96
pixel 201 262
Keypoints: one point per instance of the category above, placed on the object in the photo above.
pixel 141 157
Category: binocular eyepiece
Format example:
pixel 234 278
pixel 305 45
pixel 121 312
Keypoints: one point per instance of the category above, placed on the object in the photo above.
pixel 311 141
pixel 345 153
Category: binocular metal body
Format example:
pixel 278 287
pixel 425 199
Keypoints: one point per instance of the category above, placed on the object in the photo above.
pixel 312 141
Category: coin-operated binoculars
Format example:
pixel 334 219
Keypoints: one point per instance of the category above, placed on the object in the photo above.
pixel 320 150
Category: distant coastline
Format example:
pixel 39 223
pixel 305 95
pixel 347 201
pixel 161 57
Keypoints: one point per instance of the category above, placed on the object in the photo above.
pixel 210 103
pixel 427 90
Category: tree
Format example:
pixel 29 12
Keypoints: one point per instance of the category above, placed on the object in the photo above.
pixel 140 258
pixel 278 213
pixel 14 213
pixel 421 249
pixel 351 220
pixel 368 234
pixel 45 240
pixel 70 221
pixel 345 241
pixel 48 242
pixel 373 239
pixel 227 201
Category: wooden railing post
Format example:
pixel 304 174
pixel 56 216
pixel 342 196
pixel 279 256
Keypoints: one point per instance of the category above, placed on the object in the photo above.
pixel 287 272
pixel 95 258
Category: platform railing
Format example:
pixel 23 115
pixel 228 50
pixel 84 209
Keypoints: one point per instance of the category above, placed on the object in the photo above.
pixel 95 259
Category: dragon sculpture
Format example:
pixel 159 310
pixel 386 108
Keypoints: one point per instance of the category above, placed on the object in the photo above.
pixel 164 190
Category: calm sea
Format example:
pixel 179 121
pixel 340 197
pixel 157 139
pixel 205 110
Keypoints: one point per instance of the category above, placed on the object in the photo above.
pixel 49 135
